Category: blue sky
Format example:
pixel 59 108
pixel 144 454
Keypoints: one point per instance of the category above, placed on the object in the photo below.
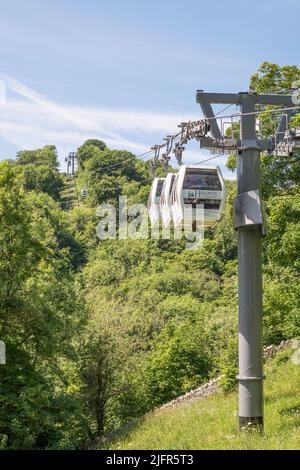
pixel 127 71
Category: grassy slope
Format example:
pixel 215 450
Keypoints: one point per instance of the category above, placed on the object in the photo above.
pixel 211 423
pixel 68 194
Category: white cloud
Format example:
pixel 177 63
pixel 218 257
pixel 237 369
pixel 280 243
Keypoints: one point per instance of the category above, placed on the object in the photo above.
pixel 32 121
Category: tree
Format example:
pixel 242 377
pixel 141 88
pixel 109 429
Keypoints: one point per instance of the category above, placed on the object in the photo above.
pixel 44 156
pixel 40 310
pixel 43 178
pixel 39 169
pixel 104 355
pixel 85 151
pixel 274 79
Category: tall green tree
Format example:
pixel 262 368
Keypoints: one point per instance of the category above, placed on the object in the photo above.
pixel 40 311
pixel 39 169
pixel 85 151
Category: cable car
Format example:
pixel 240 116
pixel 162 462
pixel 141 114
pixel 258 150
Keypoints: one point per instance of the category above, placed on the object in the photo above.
pixel 84 192
pixel 197 185
pixel 154 199
pixel 164 204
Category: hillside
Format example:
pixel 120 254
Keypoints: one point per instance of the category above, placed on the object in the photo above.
pixel 211 422
pixel 101 331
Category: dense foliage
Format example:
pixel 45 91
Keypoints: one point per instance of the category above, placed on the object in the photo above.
pixel 99 332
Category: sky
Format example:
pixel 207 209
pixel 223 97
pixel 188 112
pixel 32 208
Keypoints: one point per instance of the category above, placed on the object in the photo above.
pixel 127 71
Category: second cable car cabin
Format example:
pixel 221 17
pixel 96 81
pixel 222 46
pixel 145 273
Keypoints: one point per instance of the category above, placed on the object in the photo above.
pixel 154 200
pixel 195 185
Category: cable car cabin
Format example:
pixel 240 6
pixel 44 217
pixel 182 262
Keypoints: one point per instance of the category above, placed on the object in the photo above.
pixel 165 202
pixel 154 199
pixel 198 185
pixel 84 192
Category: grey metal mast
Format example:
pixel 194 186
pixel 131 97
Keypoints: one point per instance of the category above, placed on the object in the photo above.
pixel 249 222
pixel 249 277
pixel 70 159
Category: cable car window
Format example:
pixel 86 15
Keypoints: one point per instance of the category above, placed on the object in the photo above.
pixel 173 193
pixel 202 179
pixel 160 184
pixel 169 196
pixel 172 181
pixel 212 204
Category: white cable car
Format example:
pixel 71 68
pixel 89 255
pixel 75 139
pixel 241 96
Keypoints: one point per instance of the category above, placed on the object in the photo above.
pixel 153 201
pixel 198 185
pixel 84 192
pixel 165 202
